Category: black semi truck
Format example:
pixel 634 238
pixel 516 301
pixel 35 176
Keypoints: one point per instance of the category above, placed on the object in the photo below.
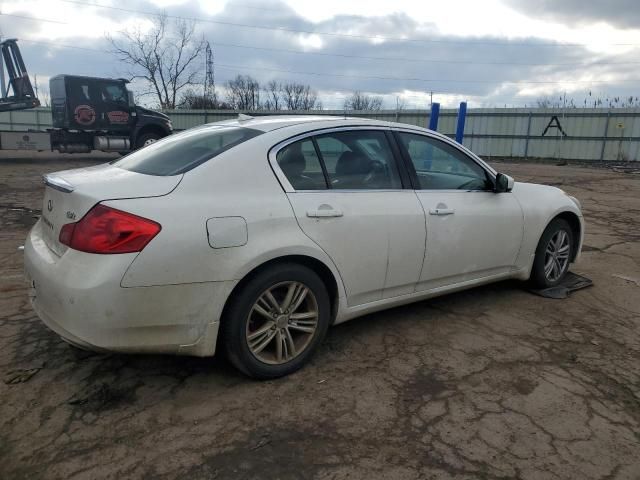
pixel 88 113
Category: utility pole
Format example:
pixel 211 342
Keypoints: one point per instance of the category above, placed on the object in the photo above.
pixel 431 99
pixel 209 78
pixel 3 90
pixel 564 107
pixel 397 107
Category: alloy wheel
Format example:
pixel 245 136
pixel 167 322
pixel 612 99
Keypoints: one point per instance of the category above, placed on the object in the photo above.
pixel 282 322
pixel 556 257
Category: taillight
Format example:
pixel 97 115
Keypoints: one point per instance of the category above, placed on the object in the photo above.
pixel 107 230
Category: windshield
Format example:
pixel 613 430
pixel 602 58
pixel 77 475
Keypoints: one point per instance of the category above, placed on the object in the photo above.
pixel 184 151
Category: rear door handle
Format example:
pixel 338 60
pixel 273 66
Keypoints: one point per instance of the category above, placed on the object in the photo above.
pixel 441 211
pixel 324 211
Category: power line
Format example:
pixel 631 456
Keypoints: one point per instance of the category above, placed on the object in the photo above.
pixel 425 80
pixel 335 34
pixel 365 57
pixel 374 77
pixel 420 101
pixel 25 17
pixel 339 55
pixel 61 45
pixel 425 60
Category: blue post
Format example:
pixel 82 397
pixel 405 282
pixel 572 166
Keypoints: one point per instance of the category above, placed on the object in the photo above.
pixel 462 115
pixel 433 118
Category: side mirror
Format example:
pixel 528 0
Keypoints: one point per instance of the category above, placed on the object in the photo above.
pixel 504 183
pixel 132 102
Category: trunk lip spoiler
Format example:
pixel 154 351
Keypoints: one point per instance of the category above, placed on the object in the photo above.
pixel 58 183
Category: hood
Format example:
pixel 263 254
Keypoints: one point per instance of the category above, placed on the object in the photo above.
pixel 151 113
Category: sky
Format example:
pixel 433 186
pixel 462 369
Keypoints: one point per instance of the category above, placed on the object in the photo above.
pixel 489 53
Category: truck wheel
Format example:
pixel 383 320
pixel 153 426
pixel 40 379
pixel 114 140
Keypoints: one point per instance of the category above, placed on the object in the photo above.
pixel 147 139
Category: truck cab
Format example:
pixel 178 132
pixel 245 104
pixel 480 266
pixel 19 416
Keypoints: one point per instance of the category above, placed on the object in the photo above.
pixel 100 113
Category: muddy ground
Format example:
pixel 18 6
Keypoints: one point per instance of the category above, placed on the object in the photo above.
pixel 490 383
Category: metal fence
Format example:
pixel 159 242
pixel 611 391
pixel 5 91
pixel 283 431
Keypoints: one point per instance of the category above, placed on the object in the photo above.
pixel 572 134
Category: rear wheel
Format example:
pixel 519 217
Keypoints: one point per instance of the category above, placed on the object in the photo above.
pixel 553 255
pixel 276 323
pixel 147 139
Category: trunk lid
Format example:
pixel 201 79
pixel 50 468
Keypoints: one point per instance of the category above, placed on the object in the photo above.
pixel 70 194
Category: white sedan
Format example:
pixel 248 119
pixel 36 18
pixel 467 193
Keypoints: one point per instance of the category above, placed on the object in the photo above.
pixel 255 235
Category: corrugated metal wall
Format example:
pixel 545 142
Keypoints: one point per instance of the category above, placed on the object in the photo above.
pixel 589 134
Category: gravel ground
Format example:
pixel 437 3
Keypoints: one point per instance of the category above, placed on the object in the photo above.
pixel 489 383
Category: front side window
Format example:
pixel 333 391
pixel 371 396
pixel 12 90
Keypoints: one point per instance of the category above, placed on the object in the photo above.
pixel 301 165
pixel 440 166
pixel 358 160
pixel 184 151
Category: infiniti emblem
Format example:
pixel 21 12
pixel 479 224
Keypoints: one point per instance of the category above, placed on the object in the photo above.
pixel 49 205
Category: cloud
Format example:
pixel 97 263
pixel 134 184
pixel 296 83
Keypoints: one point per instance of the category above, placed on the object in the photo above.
pixel 487 70
pixel 620 13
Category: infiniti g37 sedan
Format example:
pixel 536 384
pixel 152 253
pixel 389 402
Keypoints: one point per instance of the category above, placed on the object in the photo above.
pixel 254 235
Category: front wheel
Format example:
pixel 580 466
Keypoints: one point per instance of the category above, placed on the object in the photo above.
pixel 553 255
pixel 147 139
pixel 276 322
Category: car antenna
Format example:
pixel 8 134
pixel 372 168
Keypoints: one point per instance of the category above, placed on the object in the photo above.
pixel 244 118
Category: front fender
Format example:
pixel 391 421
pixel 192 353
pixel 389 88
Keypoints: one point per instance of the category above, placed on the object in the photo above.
pixel 540 205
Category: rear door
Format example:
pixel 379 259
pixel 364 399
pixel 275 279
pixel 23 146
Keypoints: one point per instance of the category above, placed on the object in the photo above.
pixel 347 193
pixel 472 232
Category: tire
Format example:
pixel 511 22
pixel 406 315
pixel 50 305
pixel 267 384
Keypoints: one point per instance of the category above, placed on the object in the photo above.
pixel 146 139
pixel 250 313
pixel 556 230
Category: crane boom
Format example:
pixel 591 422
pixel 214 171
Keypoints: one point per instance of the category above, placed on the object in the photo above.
pixel 19 86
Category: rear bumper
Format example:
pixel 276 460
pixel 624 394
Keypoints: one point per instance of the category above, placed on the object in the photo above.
pixel 78 296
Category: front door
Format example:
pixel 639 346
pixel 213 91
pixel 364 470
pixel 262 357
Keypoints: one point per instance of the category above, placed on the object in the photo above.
pixel 347 194
pixel 115 112
pixel 472 232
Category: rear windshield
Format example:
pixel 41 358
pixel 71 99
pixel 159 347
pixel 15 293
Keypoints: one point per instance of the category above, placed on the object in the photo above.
pixel 181 152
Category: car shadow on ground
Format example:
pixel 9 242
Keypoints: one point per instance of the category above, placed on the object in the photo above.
pixel 102 381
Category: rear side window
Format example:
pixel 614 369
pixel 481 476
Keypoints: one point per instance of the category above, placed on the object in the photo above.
pixel 359 160
pixel 113 92
pixel 184 151
pixel 301 165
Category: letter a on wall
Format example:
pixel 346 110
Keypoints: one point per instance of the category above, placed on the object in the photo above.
pixel 554 123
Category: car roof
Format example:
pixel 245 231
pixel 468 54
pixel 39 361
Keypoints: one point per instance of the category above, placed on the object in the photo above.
pixel 268 123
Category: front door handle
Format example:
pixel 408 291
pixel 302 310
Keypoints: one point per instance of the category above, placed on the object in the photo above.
pixel 324 211
pixel 441 211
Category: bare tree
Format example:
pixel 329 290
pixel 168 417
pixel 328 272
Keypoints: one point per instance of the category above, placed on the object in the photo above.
pixel 196 101
pixel 42 93
pixel 166 57
pixel 290 96
pixel 362 101
pixel 243 93
pixel 401 104
pixel 273 93
pixel 298 96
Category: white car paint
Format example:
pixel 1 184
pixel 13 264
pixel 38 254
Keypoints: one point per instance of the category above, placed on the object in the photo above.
pixel 481 238
pixel 238 211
